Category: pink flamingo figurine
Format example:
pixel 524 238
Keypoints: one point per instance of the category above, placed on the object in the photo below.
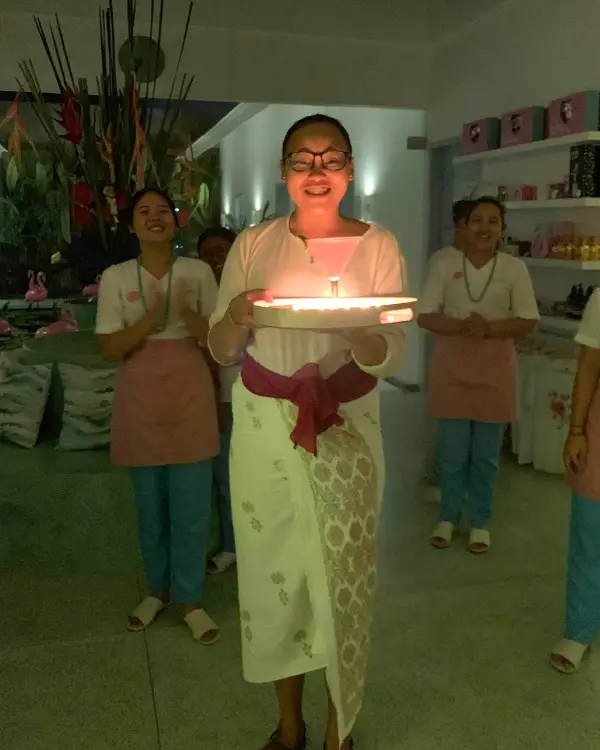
pixel 5 328
pixel 66 324
pixel 91 290
pixel 37 292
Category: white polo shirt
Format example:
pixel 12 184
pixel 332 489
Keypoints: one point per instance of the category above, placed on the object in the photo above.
pixel 589 328
pixel 509 295
pixel 120 301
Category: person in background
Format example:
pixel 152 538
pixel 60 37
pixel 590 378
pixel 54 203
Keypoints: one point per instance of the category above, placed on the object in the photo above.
pixel 476 303
pixel 460 212
pixel 430 488
pixel 583 477
pixel 307 468
pixel 152 318
pixel 213 248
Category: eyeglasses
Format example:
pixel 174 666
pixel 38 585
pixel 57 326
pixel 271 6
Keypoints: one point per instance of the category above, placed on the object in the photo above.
pixel 332 160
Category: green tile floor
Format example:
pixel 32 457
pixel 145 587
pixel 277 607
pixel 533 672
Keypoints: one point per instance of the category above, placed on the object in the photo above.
pixel 460 642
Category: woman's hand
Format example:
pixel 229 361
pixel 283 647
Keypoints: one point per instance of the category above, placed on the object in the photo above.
pixel 158 309
pixel 475 326
pixel 181 298
pixel 575 453
pixel 369 348
pixel 240 308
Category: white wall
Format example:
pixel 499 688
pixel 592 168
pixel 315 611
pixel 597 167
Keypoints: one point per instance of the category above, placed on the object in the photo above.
pixel 522 53
pixel 246 65
pixel 393 176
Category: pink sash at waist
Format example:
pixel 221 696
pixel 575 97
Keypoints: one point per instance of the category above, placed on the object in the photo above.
pixel 318 399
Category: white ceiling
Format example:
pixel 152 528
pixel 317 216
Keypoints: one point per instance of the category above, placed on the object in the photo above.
pixel 415 21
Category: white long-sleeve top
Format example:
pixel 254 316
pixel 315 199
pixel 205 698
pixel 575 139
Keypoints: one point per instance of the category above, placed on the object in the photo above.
pixel 270 257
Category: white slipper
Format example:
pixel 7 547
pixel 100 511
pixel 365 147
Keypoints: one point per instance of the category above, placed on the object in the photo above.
pixel 221 563
pixel 200 624
pixel 479 541
pixel 442 535
pixel 146 612
pixel 572 654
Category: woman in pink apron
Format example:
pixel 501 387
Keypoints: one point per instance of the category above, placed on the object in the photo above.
pixel 152 318
pixel 583 477
pixel 476 302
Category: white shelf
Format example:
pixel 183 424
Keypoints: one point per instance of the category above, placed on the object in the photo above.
pixel 549 144
pixel 556 204
pixel 563 265
pixel 551 323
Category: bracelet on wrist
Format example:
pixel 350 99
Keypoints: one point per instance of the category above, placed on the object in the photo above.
pixel 577 431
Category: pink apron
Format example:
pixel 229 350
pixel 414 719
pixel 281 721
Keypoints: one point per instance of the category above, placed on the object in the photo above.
pixel 164 410
pixel 587 483
pixel 473 379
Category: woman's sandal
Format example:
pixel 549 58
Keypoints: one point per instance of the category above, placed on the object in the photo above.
pixel 200 624
pixel 479 541
pixel 442 535
pixel 566 656
pixel 221 563
pixel 145 613
pixel 274 744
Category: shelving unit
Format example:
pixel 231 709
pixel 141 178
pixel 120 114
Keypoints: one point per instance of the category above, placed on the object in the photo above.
pixel 563 265
pixel 554 205
pixel 528 149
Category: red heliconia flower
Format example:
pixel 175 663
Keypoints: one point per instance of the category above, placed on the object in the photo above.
pixel 82 216
pixel 183 216
pixel 70 117
pixel 82 194
pixel 122 200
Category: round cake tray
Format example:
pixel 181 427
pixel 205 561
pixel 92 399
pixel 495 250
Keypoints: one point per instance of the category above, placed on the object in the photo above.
pixel 331 313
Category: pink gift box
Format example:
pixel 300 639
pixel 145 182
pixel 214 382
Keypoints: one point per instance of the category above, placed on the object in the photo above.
pixel 522 126
pixel 482 135
pixel 578 113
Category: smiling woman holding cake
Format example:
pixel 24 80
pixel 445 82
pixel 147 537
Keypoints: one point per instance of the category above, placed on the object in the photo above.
pixel 306 519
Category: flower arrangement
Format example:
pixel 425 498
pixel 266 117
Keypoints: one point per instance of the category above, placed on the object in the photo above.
pixel 107 146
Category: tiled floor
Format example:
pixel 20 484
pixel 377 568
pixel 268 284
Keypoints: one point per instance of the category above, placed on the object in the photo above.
pixel 460 642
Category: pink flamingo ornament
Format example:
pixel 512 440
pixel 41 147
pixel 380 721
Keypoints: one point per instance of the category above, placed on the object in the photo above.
pixel 6 329
pixel 66 324
pixel 91 290
pixel 37 292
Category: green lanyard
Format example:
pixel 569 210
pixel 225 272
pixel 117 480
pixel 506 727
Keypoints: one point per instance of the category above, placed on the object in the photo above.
pixel 488 282
pixel 143 296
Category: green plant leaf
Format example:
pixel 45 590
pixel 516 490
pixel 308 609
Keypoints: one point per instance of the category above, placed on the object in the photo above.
pixel 12 174
pixel 65 225
pixel 203 198
pixel 41 178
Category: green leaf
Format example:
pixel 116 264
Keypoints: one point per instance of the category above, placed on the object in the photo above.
pixel 203 198
pixel 65 225
pixel 41 178
pixel 12 174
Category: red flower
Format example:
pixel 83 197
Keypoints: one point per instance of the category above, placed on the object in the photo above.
pixel 82 216
pixel 558 408
pixel 457 275
pixel 122 201
pixel 82 194
pixel 183 216
pixel 70 117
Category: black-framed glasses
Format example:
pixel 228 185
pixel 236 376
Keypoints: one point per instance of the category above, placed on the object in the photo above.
pixel 331 159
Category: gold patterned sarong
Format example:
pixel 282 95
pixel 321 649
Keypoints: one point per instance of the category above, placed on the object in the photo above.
pixel 306 535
